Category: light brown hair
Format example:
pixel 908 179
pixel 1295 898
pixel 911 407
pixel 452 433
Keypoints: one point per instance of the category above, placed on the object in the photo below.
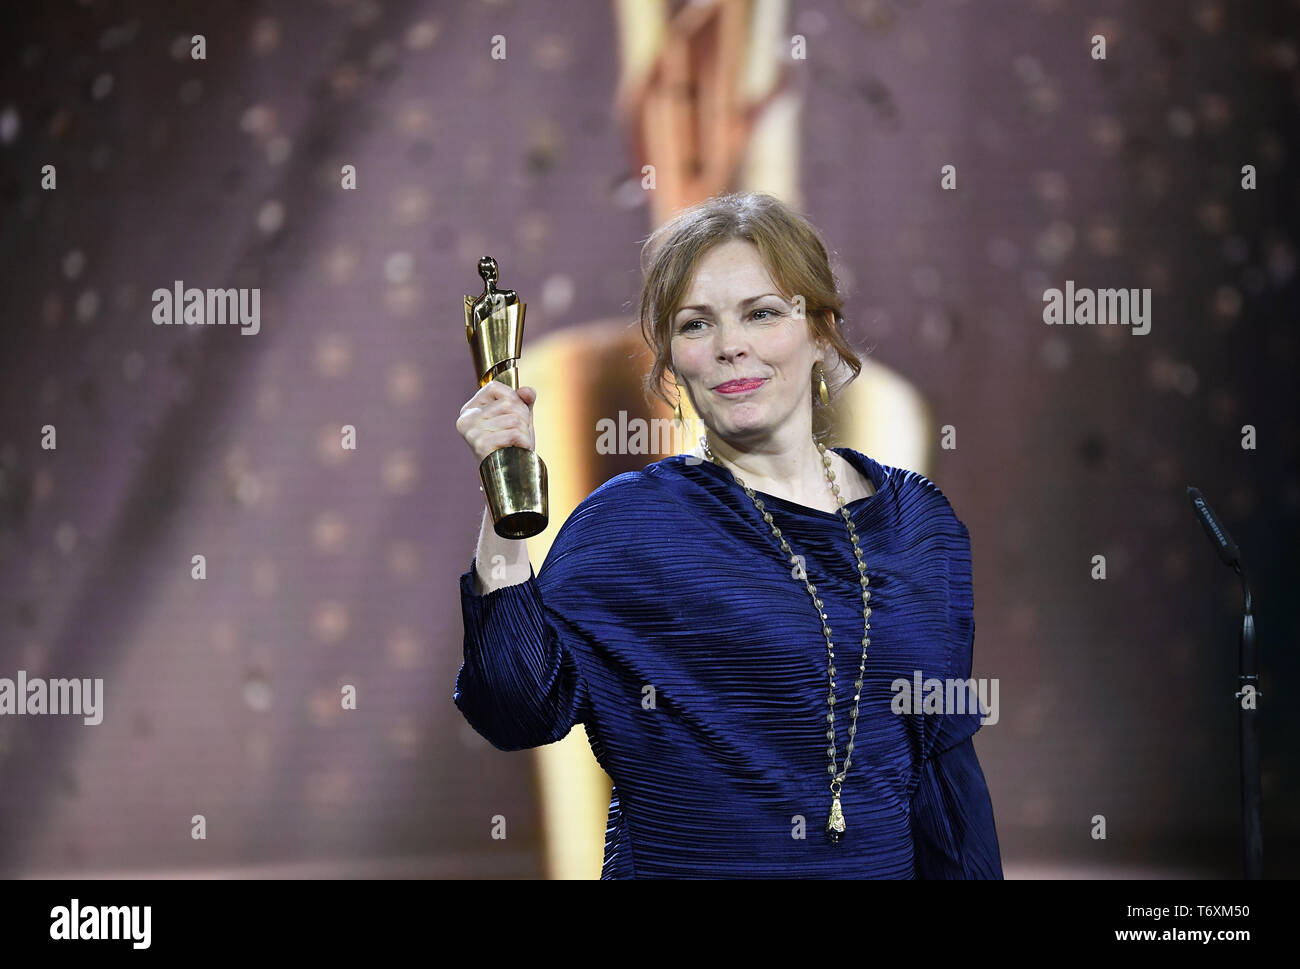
pixel 793 253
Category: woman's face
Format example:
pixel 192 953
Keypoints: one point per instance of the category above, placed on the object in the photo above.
pixel 734 325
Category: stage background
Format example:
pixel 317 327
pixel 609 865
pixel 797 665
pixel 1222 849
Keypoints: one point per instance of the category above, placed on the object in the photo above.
pixel 328 567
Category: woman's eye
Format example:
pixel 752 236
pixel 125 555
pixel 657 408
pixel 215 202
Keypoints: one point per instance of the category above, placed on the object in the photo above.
pixel 687 327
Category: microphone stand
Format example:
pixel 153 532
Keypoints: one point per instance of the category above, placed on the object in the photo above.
pixel 1252 798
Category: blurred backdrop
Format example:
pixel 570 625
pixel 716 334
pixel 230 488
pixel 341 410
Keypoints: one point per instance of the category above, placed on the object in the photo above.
pixel 351 160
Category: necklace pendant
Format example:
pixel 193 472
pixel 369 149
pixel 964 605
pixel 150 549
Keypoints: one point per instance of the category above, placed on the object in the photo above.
pixel 835 824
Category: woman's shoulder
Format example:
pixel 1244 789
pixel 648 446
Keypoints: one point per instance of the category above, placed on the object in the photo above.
pixel 629 486
pixel 625 501
pixel 915 493
pixel 621 521
pixel 664 482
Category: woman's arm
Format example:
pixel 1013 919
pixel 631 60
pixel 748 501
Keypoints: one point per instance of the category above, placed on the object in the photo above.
pixel 521 684
pixel 499 561
pixel 952 814
pixel 952 818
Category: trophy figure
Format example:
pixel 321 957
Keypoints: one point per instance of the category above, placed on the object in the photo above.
pixel 514 478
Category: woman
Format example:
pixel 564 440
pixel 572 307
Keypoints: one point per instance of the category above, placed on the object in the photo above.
pixel 724 622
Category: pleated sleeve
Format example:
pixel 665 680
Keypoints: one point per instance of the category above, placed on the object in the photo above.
pixel 535 649
pixel 953 830
pixel 521 684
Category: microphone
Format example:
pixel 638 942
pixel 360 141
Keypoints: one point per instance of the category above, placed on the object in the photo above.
pixel 1247 696
pixel 1223 542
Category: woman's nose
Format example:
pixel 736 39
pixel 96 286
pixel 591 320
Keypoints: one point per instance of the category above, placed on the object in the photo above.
pixel 730 340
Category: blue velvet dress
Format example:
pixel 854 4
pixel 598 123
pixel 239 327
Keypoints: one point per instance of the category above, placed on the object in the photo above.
pixel 668 621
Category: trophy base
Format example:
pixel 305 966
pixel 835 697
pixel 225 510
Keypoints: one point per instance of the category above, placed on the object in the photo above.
pixel 514 479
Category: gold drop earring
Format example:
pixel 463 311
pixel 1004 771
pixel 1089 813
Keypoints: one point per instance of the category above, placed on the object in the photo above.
pixel 822 390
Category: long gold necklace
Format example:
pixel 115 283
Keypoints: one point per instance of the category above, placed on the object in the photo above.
pixel 835 825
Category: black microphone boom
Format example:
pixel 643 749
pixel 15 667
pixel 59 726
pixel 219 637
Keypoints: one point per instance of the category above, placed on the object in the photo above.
pixel 1228 550
pixel 1247 696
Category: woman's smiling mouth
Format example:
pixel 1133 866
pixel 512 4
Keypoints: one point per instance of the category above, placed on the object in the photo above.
pixel 740 386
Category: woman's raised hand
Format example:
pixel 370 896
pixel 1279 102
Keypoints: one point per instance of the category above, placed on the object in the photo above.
pixel 497 416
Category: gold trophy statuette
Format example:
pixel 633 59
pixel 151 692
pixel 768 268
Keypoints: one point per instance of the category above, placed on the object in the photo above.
pixel 514 478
